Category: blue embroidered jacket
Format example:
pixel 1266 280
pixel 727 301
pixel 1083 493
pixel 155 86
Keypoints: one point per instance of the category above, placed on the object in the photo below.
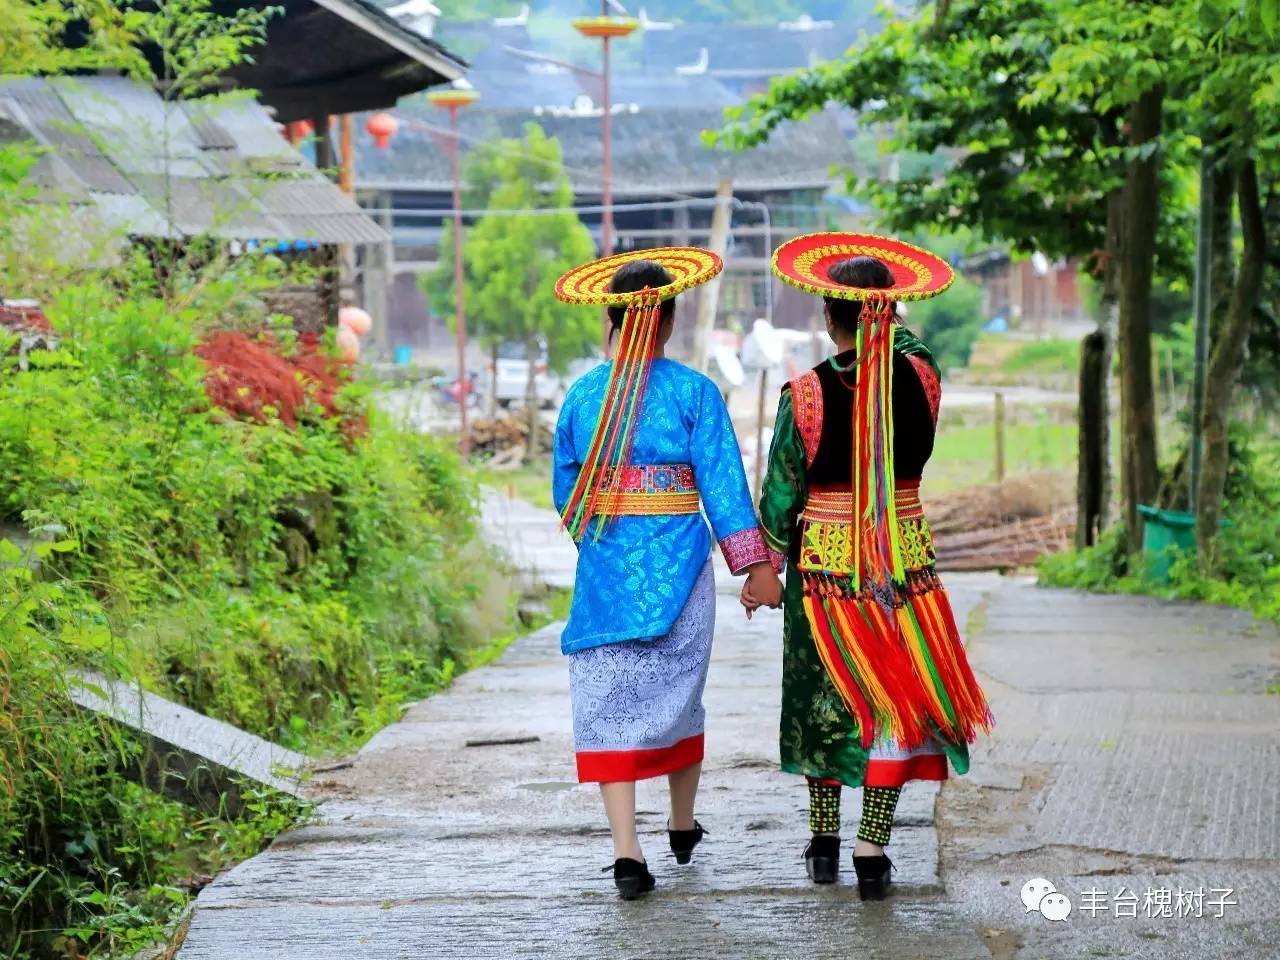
pixel 633 582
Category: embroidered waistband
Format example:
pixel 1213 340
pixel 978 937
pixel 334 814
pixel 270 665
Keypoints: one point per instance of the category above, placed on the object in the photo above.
pixel 651 478
pixel 836 505
pixel 652 489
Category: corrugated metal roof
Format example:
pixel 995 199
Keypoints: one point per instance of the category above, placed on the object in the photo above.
pixel 210 134
pixel 132 214
pixel 255 137
pixel 39 109
pixel 224 170
pixel 133 126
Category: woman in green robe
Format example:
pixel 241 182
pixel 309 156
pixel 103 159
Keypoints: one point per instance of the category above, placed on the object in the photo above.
pixel 875 687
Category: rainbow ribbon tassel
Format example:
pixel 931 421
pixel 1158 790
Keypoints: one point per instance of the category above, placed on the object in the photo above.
pixel 610 448
pixel 889 642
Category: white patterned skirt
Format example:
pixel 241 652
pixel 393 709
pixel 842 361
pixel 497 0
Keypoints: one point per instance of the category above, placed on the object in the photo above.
pixel 637 705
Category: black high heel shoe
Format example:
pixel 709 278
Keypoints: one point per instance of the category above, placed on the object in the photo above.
pixel 822 858
pixel 873 876
pixel 631 877
pixel 683 841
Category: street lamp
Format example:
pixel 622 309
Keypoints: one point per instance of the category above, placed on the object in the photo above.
pixel 606 28
pixel 454 99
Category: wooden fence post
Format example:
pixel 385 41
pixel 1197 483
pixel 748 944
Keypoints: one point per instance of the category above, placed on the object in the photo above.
pixel 999 425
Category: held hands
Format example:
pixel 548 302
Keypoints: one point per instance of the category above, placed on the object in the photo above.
pixel 761 589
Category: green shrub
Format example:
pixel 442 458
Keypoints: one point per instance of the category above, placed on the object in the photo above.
pixel 304 584
pixel 89 861
pixel 949 325
pixel 284 580
pixel 1248 571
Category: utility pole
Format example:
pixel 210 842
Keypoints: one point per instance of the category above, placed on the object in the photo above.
pixel 711 291
pixel 605 28
pixel 454 100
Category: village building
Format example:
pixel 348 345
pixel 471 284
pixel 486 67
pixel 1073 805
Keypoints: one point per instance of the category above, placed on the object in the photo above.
pixel 670 83
pixel 665 179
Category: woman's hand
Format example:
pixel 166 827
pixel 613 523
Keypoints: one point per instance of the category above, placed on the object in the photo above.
pixel 762 589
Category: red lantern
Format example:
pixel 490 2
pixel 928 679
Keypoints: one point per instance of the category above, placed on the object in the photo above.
pixel 298 130
pixel 382 127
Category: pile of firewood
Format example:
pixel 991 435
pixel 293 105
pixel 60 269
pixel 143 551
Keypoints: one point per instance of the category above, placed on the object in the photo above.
pixel 1003 526
pixel 505 439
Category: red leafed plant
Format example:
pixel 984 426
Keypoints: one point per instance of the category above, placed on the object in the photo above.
pixel 250 376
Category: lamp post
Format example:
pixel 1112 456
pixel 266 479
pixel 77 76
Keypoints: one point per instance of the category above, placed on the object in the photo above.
pixel 605 29
pixel 453 100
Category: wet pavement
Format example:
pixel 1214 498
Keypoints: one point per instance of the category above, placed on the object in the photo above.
pixel 1136 751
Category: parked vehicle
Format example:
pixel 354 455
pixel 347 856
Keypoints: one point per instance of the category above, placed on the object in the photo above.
pixel 510 377
pixel 448 389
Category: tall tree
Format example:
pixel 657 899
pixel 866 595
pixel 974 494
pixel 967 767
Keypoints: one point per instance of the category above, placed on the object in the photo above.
pixel 1121 55
pixel 1235 100
pixel 512 260
pixel 1037 163
pixel 1216 60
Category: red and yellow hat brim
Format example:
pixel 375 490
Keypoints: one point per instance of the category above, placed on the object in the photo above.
pixel 806 262
pixel 589 283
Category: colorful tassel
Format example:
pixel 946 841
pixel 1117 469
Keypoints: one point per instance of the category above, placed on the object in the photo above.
pixel 877 551
pixel 891 648
pixel 611 442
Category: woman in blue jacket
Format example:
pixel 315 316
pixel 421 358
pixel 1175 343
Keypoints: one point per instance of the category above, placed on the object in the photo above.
pixel 643 446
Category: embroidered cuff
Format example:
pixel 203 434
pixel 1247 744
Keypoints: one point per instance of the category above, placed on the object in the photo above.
pixel 743 548
pixel 777 559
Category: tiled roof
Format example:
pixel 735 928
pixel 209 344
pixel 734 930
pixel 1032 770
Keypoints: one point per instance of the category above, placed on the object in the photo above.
pixel 657 149
pixel 657 136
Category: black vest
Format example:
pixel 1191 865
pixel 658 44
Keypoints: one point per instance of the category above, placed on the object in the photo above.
pixel 913 427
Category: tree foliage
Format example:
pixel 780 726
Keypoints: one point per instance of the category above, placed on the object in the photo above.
pixel 191 44
pixel 1034 174
pixel 34 37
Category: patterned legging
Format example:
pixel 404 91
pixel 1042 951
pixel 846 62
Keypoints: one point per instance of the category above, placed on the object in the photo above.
pixel 878 805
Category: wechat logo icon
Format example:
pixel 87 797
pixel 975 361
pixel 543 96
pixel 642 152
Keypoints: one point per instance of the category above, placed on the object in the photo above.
pixel 1041 896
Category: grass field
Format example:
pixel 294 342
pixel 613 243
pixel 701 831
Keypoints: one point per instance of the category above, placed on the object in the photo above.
pixel 999 360
pixel 529 482
pixel 964 454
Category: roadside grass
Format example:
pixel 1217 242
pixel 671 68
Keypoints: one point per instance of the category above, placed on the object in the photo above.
pixel 1044 356
pixel 536 609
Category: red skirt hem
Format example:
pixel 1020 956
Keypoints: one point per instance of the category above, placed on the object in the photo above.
pixel 895 773
pixel 610 766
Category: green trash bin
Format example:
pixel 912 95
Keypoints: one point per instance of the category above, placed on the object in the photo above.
pixel 1165 535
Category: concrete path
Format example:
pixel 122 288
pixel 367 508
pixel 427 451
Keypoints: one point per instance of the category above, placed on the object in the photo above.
pixel 530 537
pixel 1136 747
